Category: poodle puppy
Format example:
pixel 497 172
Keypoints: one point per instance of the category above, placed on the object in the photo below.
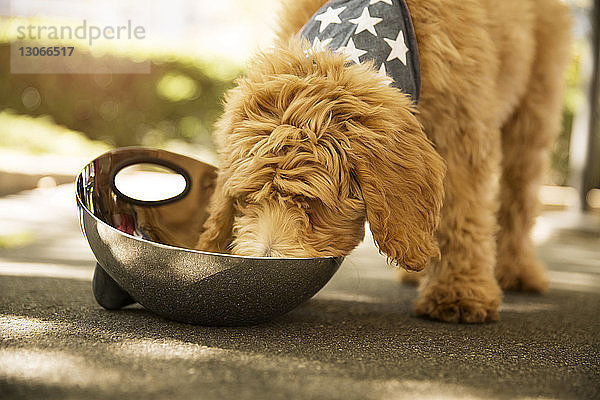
pixel 311 146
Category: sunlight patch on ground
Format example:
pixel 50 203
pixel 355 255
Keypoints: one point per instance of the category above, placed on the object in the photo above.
pixel 43 207
pixel 419 390
pixel 51 367
pixel 8 268
pixel 526 307
pixel 342 296
pixel 166 349
pixel 13 326
pixel 575 281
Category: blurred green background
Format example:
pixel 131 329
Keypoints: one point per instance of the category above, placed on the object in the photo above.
pixel 178 99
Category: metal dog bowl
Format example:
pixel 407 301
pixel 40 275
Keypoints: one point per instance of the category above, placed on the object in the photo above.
pixel 143 250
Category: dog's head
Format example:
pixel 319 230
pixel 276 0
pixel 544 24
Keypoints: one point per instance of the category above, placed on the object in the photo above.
pixel 310 148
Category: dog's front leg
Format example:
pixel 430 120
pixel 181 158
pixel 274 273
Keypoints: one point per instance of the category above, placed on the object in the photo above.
pixel 460 287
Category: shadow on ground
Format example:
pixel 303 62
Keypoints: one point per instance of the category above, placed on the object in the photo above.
pixel 371 348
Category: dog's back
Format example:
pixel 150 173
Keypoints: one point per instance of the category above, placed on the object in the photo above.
pixel 476 48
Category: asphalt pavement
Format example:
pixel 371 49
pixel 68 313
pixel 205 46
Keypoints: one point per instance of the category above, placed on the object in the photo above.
pixel 356 339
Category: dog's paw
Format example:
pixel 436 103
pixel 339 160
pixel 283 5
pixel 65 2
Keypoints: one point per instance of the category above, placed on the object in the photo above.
pixel 524 275
pixel 412 278
pixel 470 302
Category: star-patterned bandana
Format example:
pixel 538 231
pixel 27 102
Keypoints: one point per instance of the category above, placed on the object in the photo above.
pixel 378 30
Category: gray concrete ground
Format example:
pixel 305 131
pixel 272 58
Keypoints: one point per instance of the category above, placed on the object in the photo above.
pixel 357 339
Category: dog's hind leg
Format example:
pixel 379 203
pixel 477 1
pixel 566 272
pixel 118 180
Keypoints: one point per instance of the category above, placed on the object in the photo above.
pixel 526 140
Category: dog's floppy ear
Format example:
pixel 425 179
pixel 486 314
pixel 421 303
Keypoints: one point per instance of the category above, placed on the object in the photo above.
pixel 401 179
pixel 218 229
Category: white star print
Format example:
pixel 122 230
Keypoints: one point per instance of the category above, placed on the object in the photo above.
pixel 383 74
pixel 321 45
pixel 399 49
pixel 351 52
pixel 365 22
pixel 385 45
pixel 318 45
pixel 331 16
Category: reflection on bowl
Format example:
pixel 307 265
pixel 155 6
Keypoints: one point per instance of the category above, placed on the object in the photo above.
pixel 144 254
